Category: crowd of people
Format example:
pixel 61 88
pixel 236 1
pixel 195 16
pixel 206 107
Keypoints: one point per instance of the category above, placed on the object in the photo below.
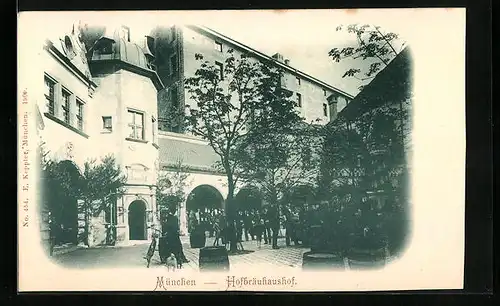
pixel 264 225
pixel 327 223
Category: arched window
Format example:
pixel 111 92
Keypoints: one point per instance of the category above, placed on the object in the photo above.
pixel 68 45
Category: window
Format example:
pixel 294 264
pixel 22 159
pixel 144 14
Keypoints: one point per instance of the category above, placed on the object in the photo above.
pixel 107 123
pixel 218 46
pixel 136 125
pixel 68 44
pixel 220 68
pixel 125 33
pixel 324 92
pixel 299 100
pixel 173 65
pixel 66 98
pixel 153 128
pixel 79 114
pixel 105 47
pixel 325 109
pixel 49 94
pixel 298 81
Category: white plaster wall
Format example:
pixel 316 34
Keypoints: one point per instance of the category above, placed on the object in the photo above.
pixel 117 93
pixel 139 93
pixel 107 97
pixel 62 142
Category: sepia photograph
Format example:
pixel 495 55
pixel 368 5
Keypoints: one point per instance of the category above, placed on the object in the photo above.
pixel 182 148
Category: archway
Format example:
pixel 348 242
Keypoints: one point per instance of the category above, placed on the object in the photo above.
pixel 248 198
pixel 204 205
pixel 62 184
pixel 137 220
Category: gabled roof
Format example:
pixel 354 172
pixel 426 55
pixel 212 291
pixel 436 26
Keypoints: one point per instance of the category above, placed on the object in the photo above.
pixel 391 85
pixel 59 55
pixel 262 56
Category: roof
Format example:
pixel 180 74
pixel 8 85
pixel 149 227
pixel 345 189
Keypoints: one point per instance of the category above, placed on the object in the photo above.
pixel 265 57
pixel 61 56
pixel 391 85
pixel 194 155
pixel 117 50
pixel 122 49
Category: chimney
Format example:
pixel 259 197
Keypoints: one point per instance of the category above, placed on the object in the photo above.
pixel 278 57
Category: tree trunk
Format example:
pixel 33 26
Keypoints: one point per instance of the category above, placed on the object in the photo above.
pixel 231 214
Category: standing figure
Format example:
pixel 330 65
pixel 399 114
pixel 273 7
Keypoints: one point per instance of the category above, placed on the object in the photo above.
pixel 291 224
pixel 173 237
pixel 274 225
pixel 259 229
pixel 267 229
pixel 247 225
pixel 239 226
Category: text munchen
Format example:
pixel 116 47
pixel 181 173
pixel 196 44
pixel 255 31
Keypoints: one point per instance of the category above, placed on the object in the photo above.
pixel 165 283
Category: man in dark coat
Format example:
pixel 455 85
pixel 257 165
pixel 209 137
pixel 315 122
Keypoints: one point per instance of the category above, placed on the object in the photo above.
pixel 173 236
pixel 274 224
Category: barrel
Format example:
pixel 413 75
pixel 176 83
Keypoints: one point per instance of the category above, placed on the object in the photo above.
pixel 213 258
pixel 197 239
pixel 322 261
pixel 366 259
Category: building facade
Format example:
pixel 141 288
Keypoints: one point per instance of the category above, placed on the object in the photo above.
pixel 104 94
pixel 175 50
pixel 99 101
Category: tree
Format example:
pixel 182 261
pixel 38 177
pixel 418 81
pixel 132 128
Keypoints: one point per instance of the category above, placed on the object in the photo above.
pixel 373 45
pixel 98 186
pixel 278 161
pixel 171 187
pixel 366 152
pixel 226 99
pixel 102 183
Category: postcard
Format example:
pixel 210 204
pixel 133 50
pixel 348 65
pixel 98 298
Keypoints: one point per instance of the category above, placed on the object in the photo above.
pixel 251 150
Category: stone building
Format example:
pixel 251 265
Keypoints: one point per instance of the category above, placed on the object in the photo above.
pixel 104 94
pixel 101 100
pixel 390 95
pixel 174 49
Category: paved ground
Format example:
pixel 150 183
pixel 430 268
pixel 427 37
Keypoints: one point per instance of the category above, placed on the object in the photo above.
pixel 132 256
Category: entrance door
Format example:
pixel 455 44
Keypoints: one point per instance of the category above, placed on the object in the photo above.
pixel 137 220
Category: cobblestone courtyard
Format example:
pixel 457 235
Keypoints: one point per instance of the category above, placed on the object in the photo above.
pixel 132 256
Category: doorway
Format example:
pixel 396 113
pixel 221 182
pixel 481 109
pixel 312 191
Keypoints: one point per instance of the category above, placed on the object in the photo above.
pixel 137 220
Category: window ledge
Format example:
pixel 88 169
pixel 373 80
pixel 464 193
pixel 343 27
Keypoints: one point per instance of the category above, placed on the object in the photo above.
pixel 156 145
pixel 61 122
pixel 136 140
pixel 106 132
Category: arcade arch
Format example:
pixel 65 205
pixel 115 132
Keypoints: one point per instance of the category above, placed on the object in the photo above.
pixel 61 188
pixel 204 203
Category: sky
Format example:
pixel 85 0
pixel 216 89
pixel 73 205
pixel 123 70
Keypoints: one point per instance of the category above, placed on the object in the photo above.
pixel 305 38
